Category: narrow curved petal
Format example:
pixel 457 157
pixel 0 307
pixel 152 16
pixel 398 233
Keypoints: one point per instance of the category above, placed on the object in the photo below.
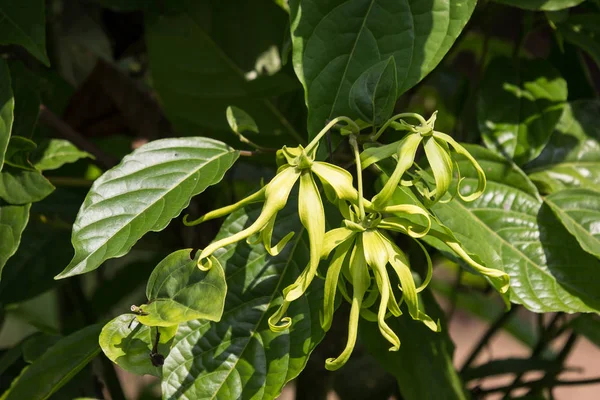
pixel 266 235
pixel 341 256
pixel 412 210
pixel 371 155
pixel 333 364
pixel 481 180
pixel 334 238
pixel 338 178
pixel 441 166
pixel 277 321
pixel 406 157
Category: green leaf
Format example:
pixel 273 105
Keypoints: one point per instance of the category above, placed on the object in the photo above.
pixel 519 106
pixel 571 159
pixel 37 344
pixel 57 365
pixel 373 95
pixel 128 344
pixel 240 121
pixel 13 220
pixel 335 42
pixel 19 186
pixel 539 5
pixel 524 238
pixel 581 30
pixel 197 78
pixel 424 357
pixel 511 366
pixel 54 153
pixel 17 153
pixel 587 325
pixel 27 99
pixel 579 212
pixel 24 23
pixel 7 105
pixel 156 182
pixel 178 291
pixel 239 356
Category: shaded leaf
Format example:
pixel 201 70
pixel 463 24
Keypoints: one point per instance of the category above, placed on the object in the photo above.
pixel 27 103
pixel 579 212
pixel 178 291
pixel 17 153
pixel 156 182
pixel 19 186
pixel 54 153
pixel 7 105
pixel 128 344
pixel 373 95
pixel 337 41
pixel 545 5
pixel 525 239
pixel 240 121
pixel 423 364
pixel 57 365
pixel 511 366
pixel 571 159
pixel 24 23
pixel 239 356
pixel 13 220
pixel 517 106
pixel 581 30
pixel 587 325
pixel 37 344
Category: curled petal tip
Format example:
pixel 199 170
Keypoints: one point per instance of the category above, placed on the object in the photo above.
pixel 204 264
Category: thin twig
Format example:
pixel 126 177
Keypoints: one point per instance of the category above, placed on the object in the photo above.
pixel 540 383
pixel 65 131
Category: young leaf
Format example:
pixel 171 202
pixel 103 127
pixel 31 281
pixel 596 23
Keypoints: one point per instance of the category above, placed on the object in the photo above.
pixel 336 41
pixel 373 95
pixel 430 354
pixel 178 291
pixel 524 238
pixel 571 159
pixel 57 365
pixel 7 105
pixel 579 212
pixel 240 121
pixel 239 356
pixel 142 194
pixel 20 186
pixel 55 153
pixel 519 105
pixel 128 344
pixel 24 23
pixel 541 5
pixel 13 220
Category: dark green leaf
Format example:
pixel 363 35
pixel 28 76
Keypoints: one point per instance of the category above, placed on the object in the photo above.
pixel 128 5
pixel 157 181
pixel 54 153
pixel 240 121
pixel 19 186
pixel 523 237
pixel 518 106
pixel 27 100
pixel 37 344
pixel 572 157
pixel 24 23
pixel 336 41
pixel 423 365
pixel 13 220
pixel 587 325
pixel 57 365
pixel 581 30
pixel 17 153
pixel 178 291
pixel 239 356
pixel 510 366
pixel 579 212
pixel 7 105
pixel 373 95
pixel 197 79
pixel 546 5
pixel 128 344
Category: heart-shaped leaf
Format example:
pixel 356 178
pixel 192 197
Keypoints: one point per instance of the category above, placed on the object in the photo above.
pixel 571 159
pixel 155 183
pixel 178 291
pixel 373 95
pixel 20 186
pixel 239 357
pixel 128 344
pixel 25 24
pixel 579 211
pixel 335 42
pixel 519 105
pixel 55 153
pixel 13 220
pixel 7 106
pixel 523 237
pixel 57 365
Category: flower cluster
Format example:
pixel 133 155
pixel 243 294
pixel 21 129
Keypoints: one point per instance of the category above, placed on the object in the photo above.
pixel 364 261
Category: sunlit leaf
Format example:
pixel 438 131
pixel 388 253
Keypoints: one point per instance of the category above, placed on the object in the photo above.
pixel 54 153
pixel 545 5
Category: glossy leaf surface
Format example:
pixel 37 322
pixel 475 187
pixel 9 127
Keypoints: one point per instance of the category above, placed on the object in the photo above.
pixel 143 193
pixel 373 95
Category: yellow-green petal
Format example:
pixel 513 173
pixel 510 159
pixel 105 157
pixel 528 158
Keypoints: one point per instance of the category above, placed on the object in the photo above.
pixel 408 226
pixel 277 321
pixel 340 256
pixel 441 166
pixel 266 235
pixel 334 238
pixel 371 155
pixel 338 178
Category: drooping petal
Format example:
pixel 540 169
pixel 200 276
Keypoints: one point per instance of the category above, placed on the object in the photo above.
pixel 407 228
pixel 277 321
pixel 338 178
pixel 441 166
pixel 340 256
pixel 377 257
pixel 334 238
pixel 276 195
pixel 481 180
pixel 371 155
pixel 406 157
pixel 312 217
pixel 267 233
